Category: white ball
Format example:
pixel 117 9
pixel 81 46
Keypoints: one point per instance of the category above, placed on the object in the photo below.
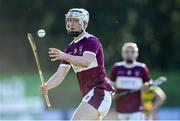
pixel 41 33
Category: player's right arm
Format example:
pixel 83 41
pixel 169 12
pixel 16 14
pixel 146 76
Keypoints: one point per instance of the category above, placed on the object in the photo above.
pixel 56 79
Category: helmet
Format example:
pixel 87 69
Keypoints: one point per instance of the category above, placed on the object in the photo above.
pixel 79 13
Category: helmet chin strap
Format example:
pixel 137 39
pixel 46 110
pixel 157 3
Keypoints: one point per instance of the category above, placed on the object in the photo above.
pixel 75 34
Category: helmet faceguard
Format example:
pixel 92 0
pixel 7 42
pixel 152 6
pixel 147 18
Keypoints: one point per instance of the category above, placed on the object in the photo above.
pixel 83 17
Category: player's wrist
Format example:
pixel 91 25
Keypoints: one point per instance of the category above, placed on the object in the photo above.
pixel 61 56
pixel 65 57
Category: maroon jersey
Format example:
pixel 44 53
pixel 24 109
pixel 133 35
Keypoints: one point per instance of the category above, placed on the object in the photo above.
pixel 94 75
pixel 126 78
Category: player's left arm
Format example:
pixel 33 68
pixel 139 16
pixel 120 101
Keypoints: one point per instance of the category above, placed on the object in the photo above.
pixel 147 80
pixel 81 61
pixel 91 48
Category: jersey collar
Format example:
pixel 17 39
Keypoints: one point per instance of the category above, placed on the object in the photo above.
pixel 87 35
pixel 129 65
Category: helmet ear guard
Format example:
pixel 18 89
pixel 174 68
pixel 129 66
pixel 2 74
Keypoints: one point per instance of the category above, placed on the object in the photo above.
pixel 85 25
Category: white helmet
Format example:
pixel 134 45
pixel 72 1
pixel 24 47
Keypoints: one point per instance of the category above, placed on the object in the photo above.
pixel 79 13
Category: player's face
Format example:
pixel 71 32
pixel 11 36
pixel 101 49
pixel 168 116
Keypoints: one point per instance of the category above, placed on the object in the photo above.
pixel 73 24
pixel 129 54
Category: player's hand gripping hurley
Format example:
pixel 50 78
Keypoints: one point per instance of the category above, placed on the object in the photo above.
pixel 157 82
pixel 33 45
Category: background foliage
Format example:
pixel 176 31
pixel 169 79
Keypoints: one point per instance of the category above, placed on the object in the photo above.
pixel 153 24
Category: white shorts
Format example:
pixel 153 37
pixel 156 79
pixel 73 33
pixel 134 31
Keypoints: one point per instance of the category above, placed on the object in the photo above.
pixel 99 99
pixel 131 116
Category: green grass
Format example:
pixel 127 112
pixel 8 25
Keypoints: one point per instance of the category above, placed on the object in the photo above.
pixel 171 87
pixel 68 95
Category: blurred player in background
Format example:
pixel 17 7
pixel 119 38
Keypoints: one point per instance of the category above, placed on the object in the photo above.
pixel 85 55
pixel 129 76
pixel 152 99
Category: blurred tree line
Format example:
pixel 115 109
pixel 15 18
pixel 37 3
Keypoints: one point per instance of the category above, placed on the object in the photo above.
pixel 153 24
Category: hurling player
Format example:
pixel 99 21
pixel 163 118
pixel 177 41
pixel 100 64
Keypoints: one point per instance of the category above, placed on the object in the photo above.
pixel 129 76
pixel 85 55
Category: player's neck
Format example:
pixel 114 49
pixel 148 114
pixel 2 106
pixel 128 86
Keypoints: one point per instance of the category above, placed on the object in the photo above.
pixel 129 65
pixel 130 62
pixel 78 37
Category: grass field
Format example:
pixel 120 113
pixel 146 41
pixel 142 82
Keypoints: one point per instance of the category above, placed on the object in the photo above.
pixel 67 94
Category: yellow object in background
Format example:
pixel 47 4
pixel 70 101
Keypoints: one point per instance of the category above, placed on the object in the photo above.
pixel 148 97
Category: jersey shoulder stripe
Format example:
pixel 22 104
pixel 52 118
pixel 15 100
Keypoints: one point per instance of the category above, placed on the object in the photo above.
pixel 140 64
pixel 119 63
pixel 86 35
pixel 136 64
